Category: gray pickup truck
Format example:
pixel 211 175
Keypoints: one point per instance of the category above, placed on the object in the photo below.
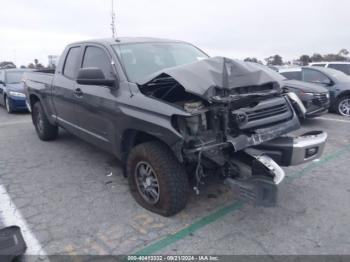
pixel 173 116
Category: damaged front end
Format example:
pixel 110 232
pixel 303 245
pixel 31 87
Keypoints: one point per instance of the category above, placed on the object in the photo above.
pixel 235 125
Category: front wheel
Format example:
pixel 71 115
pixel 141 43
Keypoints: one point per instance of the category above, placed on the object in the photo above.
pixel 45 130
pixel 343 106
pixel 158 182
pixel 8 106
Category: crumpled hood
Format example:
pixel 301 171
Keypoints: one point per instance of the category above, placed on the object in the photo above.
pixel 305 86
pixel 202 77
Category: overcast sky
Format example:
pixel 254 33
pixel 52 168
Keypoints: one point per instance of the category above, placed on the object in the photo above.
pixel 232 28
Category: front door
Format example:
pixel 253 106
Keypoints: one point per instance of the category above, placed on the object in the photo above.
pixel 95 108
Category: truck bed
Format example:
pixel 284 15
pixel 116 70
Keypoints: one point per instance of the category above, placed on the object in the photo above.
pixel 39 77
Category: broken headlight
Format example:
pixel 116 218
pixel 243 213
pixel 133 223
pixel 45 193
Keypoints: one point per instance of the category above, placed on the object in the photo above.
pixel 191 125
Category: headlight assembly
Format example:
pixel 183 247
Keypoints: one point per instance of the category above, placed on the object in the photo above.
pixel 191 125
pixel 16 94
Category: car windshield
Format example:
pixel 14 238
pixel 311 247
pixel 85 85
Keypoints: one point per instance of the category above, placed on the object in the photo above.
pixel 143 59
pixel 14 77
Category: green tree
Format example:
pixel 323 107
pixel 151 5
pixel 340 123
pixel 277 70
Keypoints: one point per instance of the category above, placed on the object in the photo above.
pixel 274 60
pixel 251 59
pixel 316 57
pixel 343 52
pixel 7 64
pixel 305 60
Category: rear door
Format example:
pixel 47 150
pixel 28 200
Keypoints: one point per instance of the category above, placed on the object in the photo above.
pixel 63 90
pixel 95 109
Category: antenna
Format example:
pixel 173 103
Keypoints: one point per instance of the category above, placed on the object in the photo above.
pixel 114 33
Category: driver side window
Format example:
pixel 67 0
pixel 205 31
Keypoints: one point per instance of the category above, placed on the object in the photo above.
pixel 314 76
pixel 97 57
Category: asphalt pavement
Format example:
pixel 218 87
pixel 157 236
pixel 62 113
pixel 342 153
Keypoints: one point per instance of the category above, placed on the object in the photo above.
pixel 73 199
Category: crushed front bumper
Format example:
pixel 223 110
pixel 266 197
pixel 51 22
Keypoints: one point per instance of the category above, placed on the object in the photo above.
pixel 263 190
pixel 291 151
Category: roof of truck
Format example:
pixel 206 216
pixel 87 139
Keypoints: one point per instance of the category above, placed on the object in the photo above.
pixel 127 40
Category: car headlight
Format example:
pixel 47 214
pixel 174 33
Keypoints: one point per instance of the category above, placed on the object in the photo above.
pixel 190 125
pixel 17 94
pixel 327 95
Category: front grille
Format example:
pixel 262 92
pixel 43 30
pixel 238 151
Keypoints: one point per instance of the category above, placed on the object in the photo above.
pixel 265 113
pixel 321 99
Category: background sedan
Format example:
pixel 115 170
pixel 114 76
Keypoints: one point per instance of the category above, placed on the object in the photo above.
pixel 337 83
pixel 314 97
pixel 12 95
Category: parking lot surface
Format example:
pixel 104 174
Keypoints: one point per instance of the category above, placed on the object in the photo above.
pixel 74 199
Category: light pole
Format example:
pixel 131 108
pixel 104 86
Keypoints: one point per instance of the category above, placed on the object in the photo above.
pixel 114 34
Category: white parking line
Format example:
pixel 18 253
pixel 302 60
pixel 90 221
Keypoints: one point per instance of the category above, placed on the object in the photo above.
pixel 10 215
pixel 335 120
pixel 15 123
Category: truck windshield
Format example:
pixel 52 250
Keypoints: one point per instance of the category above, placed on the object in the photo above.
pixel 14 77
pixel 143 59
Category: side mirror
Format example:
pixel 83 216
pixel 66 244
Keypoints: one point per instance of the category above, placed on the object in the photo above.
pixel 94 76
pixel 2 83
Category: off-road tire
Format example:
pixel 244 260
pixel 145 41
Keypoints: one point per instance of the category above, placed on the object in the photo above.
pixel 45 130
pixel 172 178
pixel 338 102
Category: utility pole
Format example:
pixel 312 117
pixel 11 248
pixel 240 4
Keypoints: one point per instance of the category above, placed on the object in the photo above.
pixel 114 33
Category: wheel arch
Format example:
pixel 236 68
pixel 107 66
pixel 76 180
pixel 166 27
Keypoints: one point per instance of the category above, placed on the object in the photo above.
pixel 343 94
pixel 33 99
pixel 132 138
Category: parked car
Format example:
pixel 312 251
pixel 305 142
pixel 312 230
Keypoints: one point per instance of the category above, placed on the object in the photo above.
pixel 337 83
pixel 12 95
pixel 314 97
pixel 341 66
pixel 169 112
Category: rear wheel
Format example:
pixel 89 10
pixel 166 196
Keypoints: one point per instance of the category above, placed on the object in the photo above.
pixel 8 106
pixel 343 106
pixel 45 130
pixel 158 182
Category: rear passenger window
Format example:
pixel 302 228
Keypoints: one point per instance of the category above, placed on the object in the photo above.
pixel 345 68
pixel 292 75
pixel 70 64
pixel 314 76
pixel 97 57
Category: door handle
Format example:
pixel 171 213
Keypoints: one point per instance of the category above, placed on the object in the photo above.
pixel 78 92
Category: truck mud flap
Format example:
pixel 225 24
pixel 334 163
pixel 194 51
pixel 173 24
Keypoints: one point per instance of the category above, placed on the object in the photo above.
pixel 12 243
pixel 290 151
pixel 258 192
